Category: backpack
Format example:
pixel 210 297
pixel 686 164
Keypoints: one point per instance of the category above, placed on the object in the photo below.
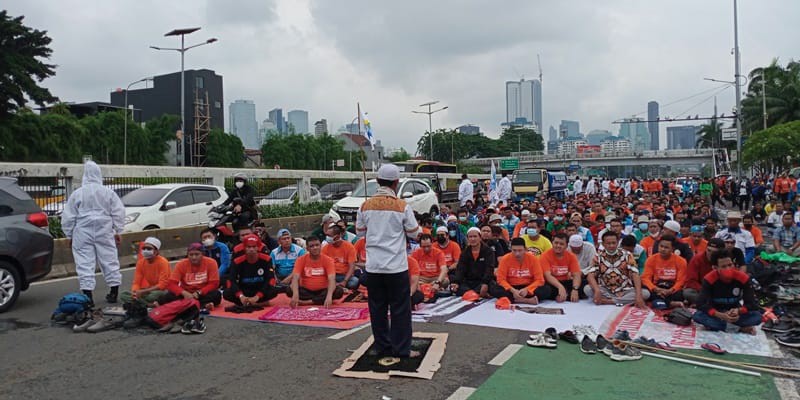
pixel 165 313
pixel 679 316
pixel 73 303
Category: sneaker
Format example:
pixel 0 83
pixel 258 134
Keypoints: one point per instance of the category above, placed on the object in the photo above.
pixel 780 327
pixel 789 340
pixel 604 345
pixel 177 326
pixel 166 327
pixel 59 318
pixel 552 332
pixel 624 352
pixel 541 340
pixel 622 335
pixel 84 326
pixel 187 327
pixel 105 324
pixel 588 346
pixel 199 326
pixel 132 322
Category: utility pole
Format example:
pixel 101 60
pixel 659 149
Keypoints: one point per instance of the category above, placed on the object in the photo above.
pixel 737 78
pixel 430 121
pixel 764 98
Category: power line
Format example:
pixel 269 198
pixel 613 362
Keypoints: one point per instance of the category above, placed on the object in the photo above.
pixel 662 106
pixel 705 100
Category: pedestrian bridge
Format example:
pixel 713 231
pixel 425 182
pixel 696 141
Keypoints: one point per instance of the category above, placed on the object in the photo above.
pixel 537 159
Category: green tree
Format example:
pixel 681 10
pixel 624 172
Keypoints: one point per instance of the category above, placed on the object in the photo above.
pixel 22 50
pixel 308 152
pixel 400 155
pixel 773 149
pixel 451 146
pixel 710 135
pixel 224 150
pixel 782 86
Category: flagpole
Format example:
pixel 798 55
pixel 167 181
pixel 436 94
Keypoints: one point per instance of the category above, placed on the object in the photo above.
pixel 361 152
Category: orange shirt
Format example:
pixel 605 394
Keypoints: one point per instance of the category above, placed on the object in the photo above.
pixel 648 242
pixel 342 256
pixel 696 248
pixel 430 265
pixel 758 237
pixel 519 226
pixel 786 185
pixel 413 267
pixel 203 278
pixel 634 186
pixel 149 274
pixel 511 272
pixel 451 253
pixel 314 273
pixel 560 267
pixel 657 269
pixel 361 249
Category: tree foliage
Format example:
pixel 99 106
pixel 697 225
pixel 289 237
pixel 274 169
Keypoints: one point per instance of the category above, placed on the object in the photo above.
pixel 782 86
pixel 311 152
pixel 401 155
pixel 22 50
pixel 224 150
pixel 773 149
pixel 452 146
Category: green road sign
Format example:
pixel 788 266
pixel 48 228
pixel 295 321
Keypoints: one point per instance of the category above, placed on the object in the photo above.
pixel 509 163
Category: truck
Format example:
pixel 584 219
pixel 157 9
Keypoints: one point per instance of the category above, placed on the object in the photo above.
pixel 527 183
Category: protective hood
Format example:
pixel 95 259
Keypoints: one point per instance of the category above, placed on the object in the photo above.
pixel 92 174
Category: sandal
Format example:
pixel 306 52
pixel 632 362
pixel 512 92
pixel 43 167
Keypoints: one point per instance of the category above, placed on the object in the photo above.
pixel 714 348
pixel 541 340
pixel 569 337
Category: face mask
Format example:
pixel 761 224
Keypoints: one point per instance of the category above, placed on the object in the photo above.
pixel 532 231
pixel 558 219
pixel 453 233
pixel 329 239
pixel 148 253
pixel 643 227
pixel 239 184
pixel 441 239
pixel 612 253
pixel 208 242
pixel 462 219
pixel 727 274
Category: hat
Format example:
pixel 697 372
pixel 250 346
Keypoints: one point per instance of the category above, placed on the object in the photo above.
pixel 389 172
pixel 284 232
pixel 495 217
pixel 697 229
pixel 195 247
pixel 473 229
pixel 734 215
pixel 470 295
pixel 240 176
pixel 673 226
pixel 441 229
pixel 526 212
pixel 251 240
pixel 452 217
pixel 153 242
pixel 503 303
pixel 575 241
pixel 575 214
pixel 610 217
pixel 643 218
pixel 659 304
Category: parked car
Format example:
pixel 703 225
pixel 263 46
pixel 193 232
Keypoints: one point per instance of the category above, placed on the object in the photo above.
pixel 416 192
pixel 170 205
pixel 55 209
pixel 26 247
pixel 287 195
pixel 336 191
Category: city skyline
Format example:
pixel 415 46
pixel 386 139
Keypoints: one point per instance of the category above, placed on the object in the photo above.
pixel 590 75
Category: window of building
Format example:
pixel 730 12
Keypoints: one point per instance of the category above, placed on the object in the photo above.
pixel 217 104
pixel 198 82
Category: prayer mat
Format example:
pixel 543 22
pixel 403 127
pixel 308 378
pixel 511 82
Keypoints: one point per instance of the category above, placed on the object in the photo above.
pixel 283 300
pixel 366 363
pixel 440 311
pixel 540 310
pixel 652 326
pixel 314 314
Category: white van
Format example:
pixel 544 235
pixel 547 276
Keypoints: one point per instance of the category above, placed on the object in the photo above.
pixel 416 192
pixel 170 205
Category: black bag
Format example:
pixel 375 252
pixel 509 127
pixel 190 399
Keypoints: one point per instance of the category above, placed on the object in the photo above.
pixel 680 316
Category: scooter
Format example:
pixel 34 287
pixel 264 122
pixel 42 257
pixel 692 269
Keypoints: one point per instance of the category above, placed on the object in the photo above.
pixel 218 219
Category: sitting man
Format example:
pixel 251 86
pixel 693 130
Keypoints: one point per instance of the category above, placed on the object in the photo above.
pixel 413 277
pixel 344 258
pixel 744 239
pixel 585 252
pixel 475 268
pixel 252 278
pixel 314 278
pixel 431 263
pixel 195 277
pixel 628 243
pixel 150 281
pixel 238 250
pixel 519 276
pixel 216 250
pixel 450 248
pixel 535 242
pixel 283 258
pixel 561 271
pixel 665 274
pixel 614 277
pixel 723 292
pixel 786 238
pixel 698 268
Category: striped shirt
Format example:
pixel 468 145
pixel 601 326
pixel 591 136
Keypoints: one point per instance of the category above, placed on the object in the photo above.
pixel 385 221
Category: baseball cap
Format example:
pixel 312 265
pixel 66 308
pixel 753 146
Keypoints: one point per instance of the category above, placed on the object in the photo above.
pixel 252 240
pixel 153 242
pixel 697 229
pixel 673 226
pixel 575 241
pixel 389 172
pixel 283 232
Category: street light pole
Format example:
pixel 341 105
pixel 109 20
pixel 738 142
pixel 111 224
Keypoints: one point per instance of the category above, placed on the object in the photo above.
pixel 125 145
pixel 183 49
pixel 738 91
pixel 430 121
pixel 764 99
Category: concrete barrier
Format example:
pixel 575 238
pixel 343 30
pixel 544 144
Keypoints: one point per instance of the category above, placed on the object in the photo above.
pixel 173 242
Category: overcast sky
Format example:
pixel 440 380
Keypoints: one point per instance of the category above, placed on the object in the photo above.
pixel 602 59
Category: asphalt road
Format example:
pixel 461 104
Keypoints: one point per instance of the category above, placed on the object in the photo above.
pixel 233 359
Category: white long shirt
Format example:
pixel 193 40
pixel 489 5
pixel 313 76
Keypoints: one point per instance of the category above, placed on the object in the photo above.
pixel 465 192
pixel 504 189
pixel 578 186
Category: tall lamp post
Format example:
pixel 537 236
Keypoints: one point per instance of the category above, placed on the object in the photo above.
pixel 183 49
pixel 125 145
pixel 430 112
pixel 736 78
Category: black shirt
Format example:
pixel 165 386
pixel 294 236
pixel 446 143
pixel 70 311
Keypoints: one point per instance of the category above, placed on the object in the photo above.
pixel 251 279
pixel 723 296
pixel 470 269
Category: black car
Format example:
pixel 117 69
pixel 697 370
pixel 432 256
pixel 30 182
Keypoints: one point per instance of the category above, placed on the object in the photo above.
pixel 335 191
pixel 26 246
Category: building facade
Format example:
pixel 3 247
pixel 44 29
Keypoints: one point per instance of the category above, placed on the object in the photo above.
pixel 276 116
pixel 473 130
pixel 652 124
pixel 635 130
pixel 615 145
pixel 596 136
pixel 321 127
pixel 682 137
pixel 523 100
pixel 569 128
pixel 355 142
pixel 298 121
pixel 242 117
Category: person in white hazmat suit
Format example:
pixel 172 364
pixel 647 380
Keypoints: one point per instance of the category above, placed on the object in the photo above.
pixel 92 220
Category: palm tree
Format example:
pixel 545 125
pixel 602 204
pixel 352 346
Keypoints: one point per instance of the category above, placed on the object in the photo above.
pixel 710 135
pixel 782 95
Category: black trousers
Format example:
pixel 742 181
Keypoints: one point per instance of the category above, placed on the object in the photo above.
pixel 497 291
pixel 567 285
pixel 316 296
pixel 388 293
pixel 213 297
pixel 677 296
pixel 744 203
pixel 466 286
pixel 230 295
pixel 417 298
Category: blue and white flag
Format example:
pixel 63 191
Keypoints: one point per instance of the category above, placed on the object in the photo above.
pixel 366 130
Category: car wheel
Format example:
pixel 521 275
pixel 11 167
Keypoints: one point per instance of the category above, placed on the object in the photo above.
pixel 10 285
pixel 150 227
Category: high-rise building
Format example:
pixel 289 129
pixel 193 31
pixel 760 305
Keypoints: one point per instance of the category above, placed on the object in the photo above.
pixel 652 124
pixel 321 127
pixel 553 133
pixel 569 128
pixel 276 116
pixel 469 130
pixel 596 136
pixel 242 115
pixel 682 137
pixel 635 130
pixel 299 120
pixel 164 97
pixel 521 102
pixel 267 128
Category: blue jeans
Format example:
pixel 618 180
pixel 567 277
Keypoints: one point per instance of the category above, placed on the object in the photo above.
pixel 352 283
pixel 751 318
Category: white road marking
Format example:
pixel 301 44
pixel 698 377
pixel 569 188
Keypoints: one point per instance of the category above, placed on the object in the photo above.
pixel 505 354
pixel 74 277
pixel 347 332
pixel 462 393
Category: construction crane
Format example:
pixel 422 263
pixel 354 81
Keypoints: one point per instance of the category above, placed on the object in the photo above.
pixel 539 60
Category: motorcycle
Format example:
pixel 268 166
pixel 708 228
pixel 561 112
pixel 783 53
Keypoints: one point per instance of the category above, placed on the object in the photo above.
pixel 218 219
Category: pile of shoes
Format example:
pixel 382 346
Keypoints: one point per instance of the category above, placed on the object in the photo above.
pixel 616 349
pixel 785 330
pixel 98 323
pixel 550 337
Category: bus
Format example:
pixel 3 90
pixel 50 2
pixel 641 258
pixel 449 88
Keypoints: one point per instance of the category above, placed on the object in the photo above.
pixel 527 183
pixel 417 166
pixel 429 171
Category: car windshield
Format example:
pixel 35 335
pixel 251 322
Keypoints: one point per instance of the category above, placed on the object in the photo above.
pixel 372 187
pixel 533 177
pixel 143 197
pixel 281 194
